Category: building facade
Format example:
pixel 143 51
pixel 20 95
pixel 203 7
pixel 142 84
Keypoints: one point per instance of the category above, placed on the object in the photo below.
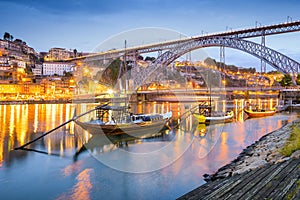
pixel 57 54
pixel 37 70
pixel 17 52
pixel 57 68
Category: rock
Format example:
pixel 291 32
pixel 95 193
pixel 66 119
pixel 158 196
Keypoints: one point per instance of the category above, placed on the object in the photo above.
pixel 224 168
pixel 249 153
pixel 264 154
pixel 256 154
pixel 224 175
pixel 206 175
pixel 226 171
pixel 258 164
pixel 240 171
pixel 239 162
pixel 259 154
pixel 273 154
pixel 296 155
pixel 282 160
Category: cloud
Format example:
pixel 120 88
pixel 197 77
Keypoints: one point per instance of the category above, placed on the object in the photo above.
pixel 98 7
pixel 63 7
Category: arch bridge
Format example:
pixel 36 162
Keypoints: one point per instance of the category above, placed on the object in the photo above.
pixel 277 60
pixel 171 50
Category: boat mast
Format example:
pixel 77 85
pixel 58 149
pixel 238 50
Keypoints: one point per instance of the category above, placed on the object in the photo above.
pixel 125 66
pixel 209 86
pixel 210 95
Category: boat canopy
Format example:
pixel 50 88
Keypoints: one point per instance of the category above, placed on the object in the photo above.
pixel 113 108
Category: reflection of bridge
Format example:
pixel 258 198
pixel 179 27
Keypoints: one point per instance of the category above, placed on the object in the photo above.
pixel 202 94
pixel 171 50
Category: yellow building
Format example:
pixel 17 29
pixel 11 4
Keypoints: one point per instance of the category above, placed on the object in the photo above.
pixel 10 88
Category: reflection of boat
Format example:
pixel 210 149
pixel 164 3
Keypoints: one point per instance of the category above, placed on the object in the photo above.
pixel 201 128
pixel 214 117
pixel 259 113
pixel 116 120
pixel 99 143
pixel 281 108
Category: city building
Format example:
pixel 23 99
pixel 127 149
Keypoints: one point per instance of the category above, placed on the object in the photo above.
pixel 17 52
pixel 58 54
pixel 57 68
pixel 37 70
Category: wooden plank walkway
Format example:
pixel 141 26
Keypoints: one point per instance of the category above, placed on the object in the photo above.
pixel 277 181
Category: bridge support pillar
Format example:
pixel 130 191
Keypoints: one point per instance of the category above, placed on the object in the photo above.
pixel 263 45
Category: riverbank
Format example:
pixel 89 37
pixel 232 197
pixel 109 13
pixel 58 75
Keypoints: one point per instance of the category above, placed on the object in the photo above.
pixel 62 101
pixel 264 151
pixel 261 170
pixel 20 102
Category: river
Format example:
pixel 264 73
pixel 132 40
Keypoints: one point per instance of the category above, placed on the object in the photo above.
pixel 166 167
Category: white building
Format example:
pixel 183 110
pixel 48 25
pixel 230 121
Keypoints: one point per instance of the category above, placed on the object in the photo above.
pixel 51 68
pixel 3 61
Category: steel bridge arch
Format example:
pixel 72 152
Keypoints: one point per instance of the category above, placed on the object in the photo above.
pixel 277 60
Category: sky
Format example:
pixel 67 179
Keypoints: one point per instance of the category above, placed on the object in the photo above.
pixel 86 24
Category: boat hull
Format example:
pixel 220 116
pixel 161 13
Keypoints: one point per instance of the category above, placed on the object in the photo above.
pixel 202 119
pixel 134 130
pixel 253 114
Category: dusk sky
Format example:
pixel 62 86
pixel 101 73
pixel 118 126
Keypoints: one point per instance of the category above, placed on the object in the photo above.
pixel 83 24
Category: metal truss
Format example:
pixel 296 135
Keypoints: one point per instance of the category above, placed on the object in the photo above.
pixel 262 30
pixel 243 33
pixel 232 39
pixel 279 61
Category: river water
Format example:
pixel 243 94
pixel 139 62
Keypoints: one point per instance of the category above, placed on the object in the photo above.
pixel 165 167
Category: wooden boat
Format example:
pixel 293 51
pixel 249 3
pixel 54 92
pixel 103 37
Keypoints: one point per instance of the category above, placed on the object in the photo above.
pixel 293 107
pixel 123 122
pixel 217 117
pixel 259 113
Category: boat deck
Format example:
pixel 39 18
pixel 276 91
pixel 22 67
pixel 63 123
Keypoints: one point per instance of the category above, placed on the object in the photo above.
pixel 278 181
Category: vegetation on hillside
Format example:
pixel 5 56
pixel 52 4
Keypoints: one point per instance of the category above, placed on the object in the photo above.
pixel 233 68
pixel 293 142
pixel 286 80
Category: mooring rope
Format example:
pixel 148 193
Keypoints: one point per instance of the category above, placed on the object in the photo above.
pixel 48 132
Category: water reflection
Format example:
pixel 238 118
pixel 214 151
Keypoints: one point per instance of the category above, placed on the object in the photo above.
pixel 83 186
pixel 138 155
pixel 201 130
pixel 131 156
pixel 22 123
pixel 193 149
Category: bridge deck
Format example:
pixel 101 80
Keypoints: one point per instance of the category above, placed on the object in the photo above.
pixel 278 181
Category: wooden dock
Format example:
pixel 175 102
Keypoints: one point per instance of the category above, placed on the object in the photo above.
pixel 277 181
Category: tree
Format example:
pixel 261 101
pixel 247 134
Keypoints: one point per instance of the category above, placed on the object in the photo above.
pixel 149 59
pixel 286 80
pixel 298 79
pixel 68 74
pixel 211 62
pixel 6 36
pixel 110 75
pixel 28 70
pixel 140 57
pixel 75 53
